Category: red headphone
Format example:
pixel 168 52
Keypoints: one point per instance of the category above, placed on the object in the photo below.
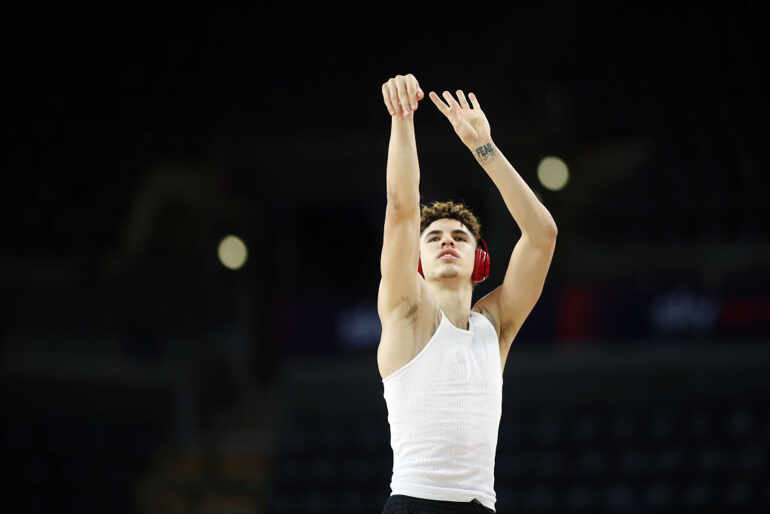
pixel 480 266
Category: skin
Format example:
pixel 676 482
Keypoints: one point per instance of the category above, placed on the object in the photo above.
pixel 409 305
pixel 448 279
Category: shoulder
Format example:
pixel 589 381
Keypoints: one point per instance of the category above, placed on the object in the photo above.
pixel 485 311
pixel 489 308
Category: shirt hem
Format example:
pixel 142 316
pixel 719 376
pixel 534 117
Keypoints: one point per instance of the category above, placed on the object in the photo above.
pixel 443 494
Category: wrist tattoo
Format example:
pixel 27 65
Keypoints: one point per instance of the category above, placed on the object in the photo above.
pixel 485 152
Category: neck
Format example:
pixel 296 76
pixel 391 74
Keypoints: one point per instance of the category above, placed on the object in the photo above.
pixel 454 298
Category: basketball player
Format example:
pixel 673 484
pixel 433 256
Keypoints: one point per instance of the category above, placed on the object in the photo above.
pixel 441 360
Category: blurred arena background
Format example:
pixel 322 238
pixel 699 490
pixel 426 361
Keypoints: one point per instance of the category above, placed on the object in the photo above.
pixel 189 282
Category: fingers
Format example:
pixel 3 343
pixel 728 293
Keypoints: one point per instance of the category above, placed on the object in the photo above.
pixel 441 105
pixel 474 101
pixel 450 100
pixel 411 91
pixel 451 103
pixel 406 94
pixel 401 95
pixel 394 95
pixel 391 101
pixel 461 98
pixel 415 93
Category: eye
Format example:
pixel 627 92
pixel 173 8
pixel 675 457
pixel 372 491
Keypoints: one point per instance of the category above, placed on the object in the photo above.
pixel 432 238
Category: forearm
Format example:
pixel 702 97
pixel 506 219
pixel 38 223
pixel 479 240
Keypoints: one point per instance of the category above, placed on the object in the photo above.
pixel 530 215
pixel 403 171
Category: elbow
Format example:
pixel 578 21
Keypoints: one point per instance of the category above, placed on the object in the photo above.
pixel 547 230
pixel 545 237
pixel 552 231
pixel 548 238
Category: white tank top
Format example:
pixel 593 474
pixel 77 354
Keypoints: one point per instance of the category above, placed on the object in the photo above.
pixel 444 411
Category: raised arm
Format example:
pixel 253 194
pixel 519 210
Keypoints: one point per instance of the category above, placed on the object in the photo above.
pixel 399 286
pixel 509 304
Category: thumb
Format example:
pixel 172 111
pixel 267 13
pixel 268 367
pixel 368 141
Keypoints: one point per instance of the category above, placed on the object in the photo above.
pixel 420 94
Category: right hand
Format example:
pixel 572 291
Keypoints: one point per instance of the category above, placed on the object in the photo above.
pixel 402 94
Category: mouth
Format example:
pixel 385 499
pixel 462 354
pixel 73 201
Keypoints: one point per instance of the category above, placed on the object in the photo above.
pixel 449 254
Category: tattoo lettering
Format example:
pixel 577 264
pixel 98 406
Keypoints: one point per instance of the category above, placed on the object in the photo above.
pixel 485 152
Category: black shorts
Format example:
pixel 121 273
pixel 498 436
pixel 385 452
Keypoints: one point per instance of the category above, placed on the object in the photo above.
pixel 402 504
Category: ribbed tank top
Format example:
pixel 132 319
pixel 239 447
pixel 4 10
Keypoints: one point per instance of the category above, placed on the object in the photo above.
pixel 444 411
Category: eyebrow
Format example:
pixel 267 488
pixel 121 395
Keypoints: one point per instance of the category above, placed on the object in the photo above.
pixel 463 232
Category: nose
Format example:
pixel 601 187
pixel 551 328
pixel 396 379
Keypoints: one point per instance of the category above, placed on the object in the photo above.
pixel 448 240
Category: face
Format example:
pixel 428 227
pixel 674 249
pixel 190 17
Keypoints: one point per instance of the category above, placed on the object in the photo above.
pixel 442 236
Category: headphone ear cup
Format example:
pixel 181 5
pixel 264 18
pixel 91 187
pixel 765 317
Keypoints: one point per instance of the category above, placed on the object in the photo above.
pixel 481 264
pixel 478 265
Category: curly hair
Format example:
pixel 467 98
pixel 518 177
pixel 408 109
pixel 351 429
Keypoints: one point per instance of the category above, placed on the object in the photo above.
pixel 450 209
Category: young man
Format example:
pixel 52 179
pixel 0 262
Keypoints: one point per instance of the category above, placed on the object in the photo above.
pixel 441 360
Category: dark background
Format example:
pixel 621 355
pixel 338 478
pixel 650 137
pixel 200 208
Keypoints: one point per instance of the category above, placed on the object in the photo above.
pixel 131 356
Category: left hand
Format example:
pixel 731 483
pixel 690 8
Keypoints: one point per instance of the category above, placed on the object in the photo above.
pixel 469 123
